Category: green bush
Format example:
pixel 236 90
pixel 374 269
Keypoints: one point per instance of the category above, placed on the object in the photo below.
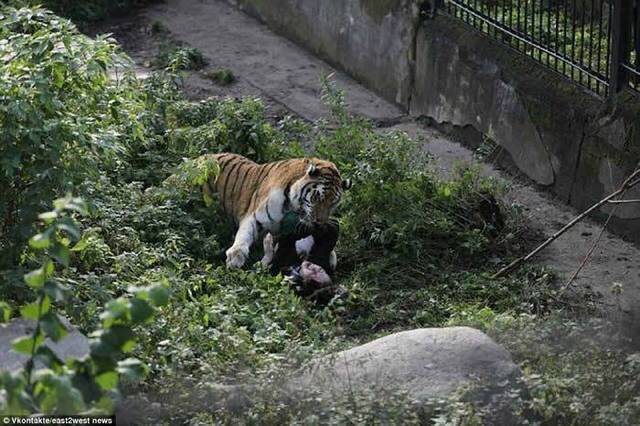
pixel 413 245
pixel 223 77
pixel 226 125
pixel 84 12
pixel 61 116
pixel 577 370
pixel 176 58
pixel 77 385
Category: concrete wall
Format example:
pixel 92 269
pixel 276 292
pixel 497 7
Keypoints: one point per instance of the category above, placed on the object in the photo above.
pixel 560 136
pixel 370 39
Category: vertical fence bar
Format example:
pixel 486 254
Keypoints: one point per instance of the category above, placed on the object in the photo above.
pixel 518 22
pixel 636 38
pixel 544 38
pixel 621 27
pixel 495 17
pixel 573 37
pixel 591 43
pixel 565 49
pixel 582 39
pixel 599 51
pixel 556 48
pixel 533 27
pixel 609 36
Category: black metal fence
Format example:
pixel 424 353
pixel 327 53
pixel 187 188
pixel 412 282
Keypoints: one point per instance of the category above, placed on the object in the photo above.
pixel 595 43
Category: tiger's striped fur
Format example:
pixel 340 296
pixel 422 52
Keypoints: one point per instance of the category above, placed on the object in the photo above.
pixel 257 196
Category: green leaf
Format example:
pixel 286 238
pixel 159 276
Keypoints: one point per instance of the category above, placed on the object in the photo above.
pixel 132 368
pixel 33 310
pixel 49 358
pixel 159 295
pixel 42 240
pixel 61 253
pixel 27 344
pixel 68 225
pixel 119 337
pixel 56 394
pixel 141 311
pixel 36 279
pixel 82 244
pixel 52 327
pixel 55 290
pixel 108 380
pixel 71 203
pixel 115 309
pixel 48 217
pixel 5 312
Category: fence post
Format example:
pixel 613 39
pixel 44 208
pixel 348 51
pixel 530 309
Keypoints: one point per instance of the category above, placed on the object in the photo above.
pixel 621 33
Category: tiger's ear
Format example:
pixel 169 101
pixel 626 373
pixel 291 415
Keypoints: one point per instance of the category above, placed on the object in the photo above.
pixel 346 184
pixel 312 170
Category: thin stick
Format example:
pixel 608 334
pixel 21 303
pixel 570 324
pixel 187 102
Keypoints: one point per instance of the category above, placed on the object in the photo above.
pixel 616 203
pixel 628 183
pixel 591 249
pixel 623 201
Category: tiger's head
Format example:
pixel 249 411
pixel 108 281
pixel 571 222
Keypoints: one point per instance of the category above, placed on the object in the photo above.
pixel 317 193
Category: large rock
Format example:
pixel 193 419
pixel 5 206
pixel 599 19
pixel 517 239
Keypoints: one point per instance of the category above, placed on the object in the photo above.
pixel 74 345
pixel 427 363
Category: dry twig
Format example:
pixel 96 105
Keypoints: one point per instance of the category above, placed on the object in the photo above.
pixel 628 183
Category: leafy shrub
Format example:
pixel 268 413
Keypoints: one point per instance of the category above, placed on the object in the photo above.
pixel 413 245
pixel 577 370
pixel 84 12
pixel 176 58
pixel 80 384
pixel 226 125
pixel 223 77
pixel 60 115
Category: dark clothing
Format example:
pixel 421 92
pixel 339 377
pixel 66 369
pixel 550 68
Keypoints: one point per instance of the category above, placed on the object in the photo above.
pixel 325 238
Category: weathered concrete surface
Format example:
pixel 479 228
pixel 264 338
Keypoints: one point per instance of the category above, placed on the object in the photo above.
pixel 456 84
pixel 74 344
pixel 426 363
pixel 271 63
pixel 370 39
pixel 557 134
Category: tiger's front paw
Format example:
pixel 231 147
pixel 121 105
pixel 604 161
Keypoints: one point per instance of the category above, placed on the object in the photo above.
pixel 236 257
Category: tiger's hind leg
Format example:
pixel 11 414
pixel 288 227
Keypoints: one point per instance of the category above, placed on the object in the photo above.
pixel 247 233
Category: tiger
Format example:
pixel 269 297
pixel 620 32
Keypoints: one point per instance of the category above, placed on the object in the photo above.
pixel 257 196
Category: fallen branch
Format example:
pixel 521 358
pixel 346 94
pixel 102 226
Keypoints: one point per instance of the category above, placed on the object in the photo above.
pixel 628 183
pixel 623 201
pixel 591 249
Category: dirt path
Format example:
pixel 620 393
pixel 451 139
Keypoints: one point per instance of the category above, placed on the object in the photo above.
pixel 288 77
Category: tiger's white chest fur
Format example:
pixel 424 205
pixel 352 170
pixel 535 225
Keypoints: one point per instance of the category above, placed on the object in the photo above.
pixel 270 213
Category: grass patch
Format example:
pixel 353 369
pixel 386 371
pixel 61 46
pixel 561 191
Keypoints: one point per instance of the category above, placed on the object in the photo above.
pixel 178 58
pixel 223 77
